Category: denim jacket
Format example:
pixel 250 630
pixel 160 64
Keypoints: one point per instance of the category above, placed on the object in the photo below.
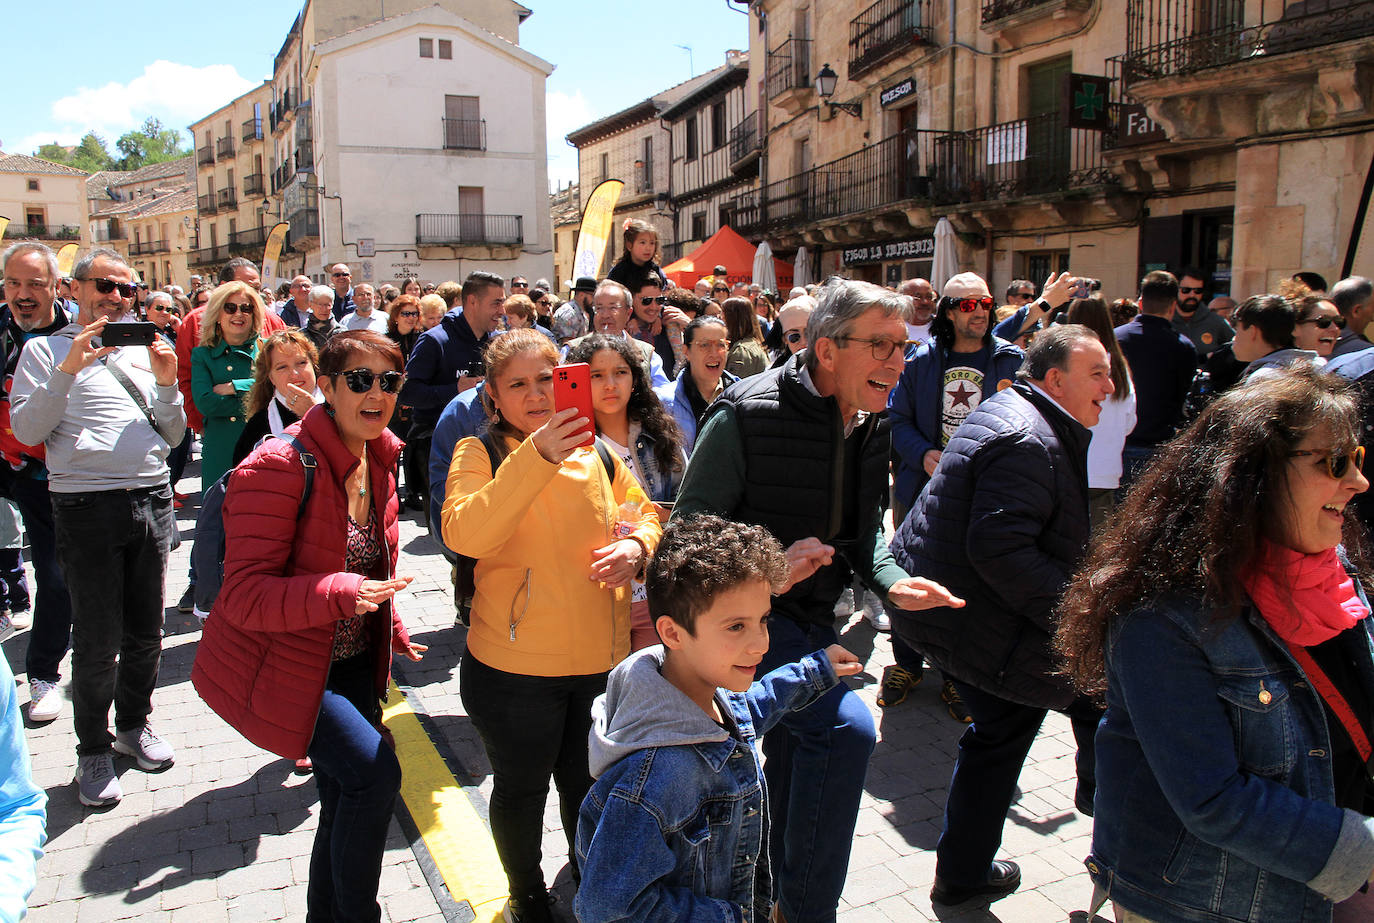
pixel 1215 799
pixel 661 486
pixel 675 827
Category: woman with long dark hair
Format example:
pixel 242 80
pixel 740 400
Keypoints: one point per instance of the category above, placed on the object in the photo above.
pixel 1118 411
pixel 1226 624
pixel 747 355
pixel 706 343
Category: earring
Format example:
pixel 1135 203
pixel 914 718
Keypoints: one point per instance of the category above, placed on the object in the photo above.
pixel 329 409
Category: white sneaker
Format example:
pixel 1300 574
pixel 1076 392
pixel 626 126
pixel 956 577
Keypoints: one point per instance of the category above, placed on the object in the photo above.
pixel 152 752
pixel 844 606
pixel 45 702
pixel 96 783
pixel 22 619
pixel 875 613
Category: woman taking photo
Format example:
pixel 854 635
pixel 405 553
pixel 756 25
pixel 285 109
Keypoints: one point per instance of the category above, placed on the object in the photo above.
pixel 546 627
pixel 1118 412
pixel 1231 638
pixel 702 379
pixel 747 355
pixel 222 372
pixel 283 388
pixel 297 651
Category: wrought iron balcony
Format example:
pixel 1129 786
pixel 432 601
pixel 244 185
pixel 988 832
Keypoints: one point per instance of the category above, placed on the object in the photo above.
pixel 228 198
pixel 16 230
pixel 305 227
pixel 205 204
pixel 994 10
pixel 205 156
pixel 465 134
pixel 1035 156
pixel 253 185
pixel 252 130
pixel 305 158
pixel 146 247
pixel 744 138
pixel 248 242
pixel 789 66
pixel 886 29
pixel 224 147
pixel 210 256
pixel 450 230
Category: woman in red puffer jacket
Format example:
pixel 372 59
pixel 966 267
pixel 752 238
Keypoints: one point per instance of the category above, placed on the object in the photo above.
pixel 296 653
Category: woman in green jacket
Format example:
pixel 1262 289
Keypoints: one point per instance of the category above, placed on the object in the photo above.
pixel 222 372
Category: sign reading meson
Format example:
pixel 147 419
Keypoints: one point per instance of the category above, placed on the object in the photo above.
pixel 895 93
pixel 915 248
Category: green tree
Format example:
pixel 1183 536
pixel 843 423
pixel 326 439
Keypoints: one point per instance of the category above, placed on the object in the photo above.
pixel 150 144
pixel 90 155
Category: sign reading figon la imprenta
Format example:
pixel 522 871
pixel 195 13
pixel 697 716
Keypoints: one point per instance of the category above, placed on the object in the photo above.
pixel 914 248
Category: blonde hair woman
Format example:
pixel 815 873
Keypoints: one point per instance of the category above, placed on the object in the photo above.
pixel 222 371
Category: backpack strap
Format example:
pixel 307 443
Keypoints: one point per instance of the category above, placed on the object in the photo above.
pixel 606 461
pixel 308 463
pixel 493 450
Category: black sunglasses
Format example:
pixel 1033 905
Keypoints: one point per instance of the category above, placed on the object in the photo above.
pixel 646 301
pixel 360 381
pixel 343 275
pixel 721 288
pixel 519 285
pixel 232 308
pixel 105 286
pixel 1325 323
pixel 795 336
pixel 1186 290
pixel 1336 465
pixel 410 313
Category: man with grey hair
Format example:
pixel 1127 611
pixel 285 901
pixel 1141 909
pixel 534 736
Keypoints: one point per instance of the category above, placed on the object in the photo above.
pixel 320 325
pixel 1003 522
pixel 365 315
pixel 32 309
pixel 1354 298
pixel 803 450
pixel 611 313
pixel 107 417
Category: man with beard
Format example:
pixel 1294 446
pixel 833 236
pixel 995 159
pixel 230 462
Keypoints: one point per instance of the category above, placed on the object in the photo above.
pixel 32 310
pixel 1205 330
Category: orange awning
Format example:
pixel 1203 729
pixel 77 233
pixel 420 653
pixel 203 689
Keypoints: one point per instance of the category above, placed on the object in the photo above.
pixel 724 248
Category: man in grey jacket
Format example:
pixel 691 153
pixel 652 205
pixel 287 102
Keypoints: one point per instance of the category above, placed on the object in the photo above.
pixel 108 417
pixel 1205 330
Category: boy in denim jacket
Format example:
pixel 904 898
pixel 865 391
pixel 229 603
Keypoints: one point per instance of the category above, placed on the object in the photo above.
pixel 676 824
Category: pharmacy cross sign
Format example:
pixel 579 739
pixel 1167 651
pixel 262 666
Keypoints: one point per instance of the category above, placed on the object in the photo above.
pixel 1088 102
pixel 1084 101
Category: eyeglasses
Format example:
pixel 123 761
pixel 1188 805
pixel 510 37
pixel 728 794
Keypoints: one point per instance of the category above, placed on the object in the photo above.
pixel 1336 465
pixel 342 275
pixel 882 347
pixel 1186 290
pixel 795 336
pixel 1026 295
pixel 546 302
pixel 1325 323
pixel 969 305
pixel 648 300
pixel 410 313
pixel 360 381
pixel 519 285
pixel 105 286
pixel 231 308
pixel 721 288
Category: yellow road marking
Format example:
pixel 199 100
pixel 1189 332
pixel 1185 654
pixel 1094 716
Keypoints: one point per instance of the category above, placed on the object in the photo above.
pixel 457 839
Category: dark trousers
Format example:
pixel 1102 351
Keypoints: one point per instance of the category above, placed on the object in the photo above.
pixel 112 546
pixel 52 610
pixel 816 762
pixel 533 727
pixel 179 456
pixel 991 753
pixel 1134 460
pixel 358 776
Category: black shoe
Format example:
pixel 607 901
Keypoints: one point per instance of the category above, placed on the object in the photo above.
pixel 1083 801
pixel 414 502
pixel 1004 877
pixel 188 600
pixel 954 703
pixel 897 682
pixel 531 908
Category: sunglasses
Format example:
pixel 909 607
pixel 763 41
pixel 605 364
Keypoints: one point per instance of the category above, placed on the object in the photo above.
pixel 519 285
pixel 546 302
pixel 105 286
pixel 969 305
pixel 360 381
pixel 1336 465
pixel 721 288
pixel 648 300
pixel 1325 323
pixel 231 308
pixel 410 313
pixel 795 336
pixel 342 275
pixel 1185 290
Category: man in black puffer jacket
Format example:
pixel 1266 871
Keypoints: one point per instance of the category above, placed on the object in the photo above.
pixel 1003 523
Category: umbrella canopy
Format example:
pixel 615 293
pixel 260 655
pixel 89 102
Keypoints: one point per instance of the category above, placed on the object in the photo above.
pixel 764 273
pixel 801 269
pixel 945 263
pixel 723 248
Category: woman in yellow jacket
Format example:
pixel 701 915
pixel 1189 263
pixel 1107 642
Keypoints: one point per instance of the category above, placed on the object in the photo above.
pixel 557 541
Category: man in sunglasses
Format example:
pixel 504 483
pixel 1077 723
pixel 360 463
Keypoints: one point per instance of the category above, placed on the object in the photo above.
pixel 947 378
pixel 792 319
pixel 341 277
pixel 107 418
pixel 657 323
pixel 803 450
pixel 1192 318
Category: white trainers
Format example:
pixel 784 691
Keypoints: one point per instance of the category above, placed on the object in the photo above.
pixel 96 783
pixel 844 606
pixel 875 613
pixel 22 619
pixel 152 752
pixel 45 702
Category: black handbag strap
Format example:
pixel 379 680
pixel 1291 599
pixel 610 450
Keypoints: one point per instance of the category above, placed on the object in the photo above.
pixel 122 377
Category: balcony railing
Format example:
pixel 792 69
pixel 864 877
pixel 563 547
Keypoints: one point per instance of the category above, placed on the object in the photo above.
pixel 224 147
pixel 305 158
pixel 16 230
pixel 205 204
pixel 145 247
pixel 994 10
pixel 885 29
pixel 248 243
pixel 744 137
pixel 104 235
pixel 205 156
pixel 252 130
pixel 1034 156
pixel 228 198
pixel 253 185
pixel 1166 38
pixel 441 230
pixel 304 226
pixel 789 66
pixel 465 134
pixel 209 256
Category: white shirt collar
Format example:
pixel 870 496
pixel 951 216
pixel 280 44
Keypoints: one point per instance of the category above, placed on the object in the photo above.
pixel 804 374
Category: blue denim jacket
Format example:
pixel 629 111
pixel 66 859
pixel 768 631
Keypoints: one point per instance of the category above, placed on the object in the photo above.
pixel 675 827
pixel 1215 799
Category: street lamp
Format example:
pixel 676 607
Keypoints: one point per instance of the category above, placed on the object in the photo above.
pixel 825 85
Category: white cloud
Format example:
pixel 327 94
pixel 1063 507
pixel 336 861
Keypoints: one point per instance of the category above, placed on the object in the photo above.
pixel 566 112
pixel 29 144
pixel 176 94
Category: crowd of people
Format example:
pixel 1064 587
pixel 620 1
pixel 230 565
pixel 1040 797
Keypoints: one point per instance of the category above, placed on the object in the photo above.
pixel 1142 513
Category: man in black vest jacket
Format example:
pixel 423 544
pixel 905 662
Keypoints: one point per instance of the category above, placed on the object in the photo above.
pixel 803 450
pixel 1003 523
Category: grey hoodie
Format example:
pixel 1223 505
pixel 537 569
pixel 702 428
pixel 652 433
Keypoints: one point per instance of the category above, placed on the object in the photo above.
pixel 640 709
pixel 1205 330
pixel 1277 361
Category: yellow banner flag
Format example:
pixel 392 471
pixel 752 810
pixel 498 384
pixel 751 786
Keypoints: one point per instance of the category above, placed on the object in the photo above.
pixel 4 223
pixel 66 259
pixel 597 219
pixel 272 253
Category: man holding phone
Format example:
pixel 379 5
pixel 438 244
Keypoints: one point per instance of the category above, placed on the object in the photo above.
pixel 107 419
pixel 1057 293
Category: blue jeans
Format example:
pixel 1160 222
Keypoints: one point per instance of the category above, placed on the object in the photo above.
pixel 358 776
pixel 112 545
pixel 816 762
pixel 51 634
pixel 991 753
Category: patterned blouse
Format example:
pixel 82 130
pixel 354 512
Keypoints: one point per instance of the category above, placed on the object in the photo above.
pixel 361 556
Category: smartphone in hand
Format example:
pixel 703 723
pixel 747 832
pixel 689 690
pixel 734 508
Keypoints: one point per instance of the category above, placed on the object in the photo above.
pixel 138 333
pixel 572 387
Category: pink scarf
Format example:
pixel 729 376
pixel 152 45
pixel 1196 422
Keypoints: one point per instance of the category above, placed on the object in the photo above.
pixel 1306 598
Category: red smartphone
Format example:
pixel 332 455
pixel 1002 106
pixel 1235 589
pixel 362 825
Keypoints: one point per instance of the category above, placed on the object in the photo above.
pixel 572 387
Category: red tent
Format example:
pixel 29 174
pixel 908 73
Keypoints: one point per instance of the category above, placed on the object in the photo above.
pixel 728 249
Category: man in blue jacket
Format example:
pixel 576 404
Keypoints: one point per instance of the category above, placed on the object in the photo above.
pixel 963 365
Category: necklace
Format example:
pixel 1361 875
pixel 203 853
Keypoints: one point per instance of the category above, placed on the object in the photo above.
pixel 362 478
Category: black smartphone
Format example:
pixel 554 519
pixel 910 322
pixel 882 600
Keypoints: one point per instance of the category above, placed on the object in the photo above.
pixel 138 333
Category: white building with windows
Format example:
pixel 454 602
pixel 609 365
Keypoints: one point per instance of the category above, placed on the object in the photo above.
pixel 427 141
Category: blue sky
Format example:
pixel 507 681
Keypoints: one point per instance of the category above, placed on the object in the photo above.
pixel 107 66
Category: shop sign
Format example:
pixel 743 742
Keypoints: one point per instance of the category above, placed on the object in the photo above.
pixel 915 248
pixel 1135 127
pixel 898 92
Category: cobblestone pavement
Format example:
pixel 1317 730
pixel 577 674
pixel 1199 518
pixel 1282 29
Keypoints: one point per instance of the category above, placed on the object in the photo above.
pixel 225 834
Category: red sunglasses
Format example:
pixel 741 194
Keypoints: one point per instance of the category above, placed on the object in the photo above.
pixel 969 305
